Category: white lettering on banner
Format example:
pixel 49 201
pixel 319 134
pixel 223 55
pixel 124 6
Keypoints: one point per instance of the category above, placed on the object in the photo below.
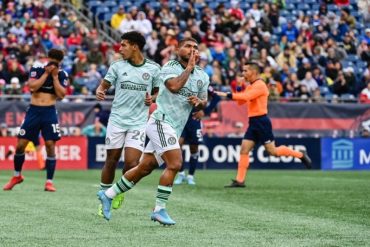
pixel 68 152
pixel 364 157
pixel 203 154
pixel 219 153
pixel 234 153
pixel 100 154
pixel 186 150
pixel 266 158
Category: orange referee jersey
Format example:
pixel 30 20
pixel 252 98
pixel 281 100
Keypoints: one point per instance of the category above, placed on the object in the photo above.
pixel 256 96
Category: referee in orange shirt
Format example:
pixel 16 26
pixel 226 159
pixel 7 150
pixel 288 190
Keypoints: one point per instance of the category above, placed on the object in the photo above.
pixel 260 128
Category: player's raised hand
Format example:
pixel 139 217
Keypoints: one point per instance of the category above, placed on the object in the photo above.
pixel 194 57
pixel 100 93
pixel 55 72
pixel 148 99
pixel 194 100
pixel 49 68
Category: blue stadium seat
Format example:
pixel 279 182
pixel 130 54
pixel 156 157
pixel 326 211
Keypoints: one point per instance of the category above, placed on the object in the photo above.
pixel 110 4
pixel 315 6
pixel 352 58
pixel 303 6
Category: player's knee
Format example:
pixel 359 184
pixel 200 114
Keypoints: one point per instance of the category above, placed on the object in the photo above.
pixel 175 165
pixel 131 164
pixel 146 169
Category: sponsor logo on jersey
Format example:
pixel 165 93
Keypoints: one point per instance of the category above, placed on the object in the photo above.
pixel 128 85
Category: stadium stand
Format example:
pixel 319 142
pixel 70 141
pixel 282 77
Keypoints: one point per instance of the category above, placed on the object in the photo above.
pixel 309 51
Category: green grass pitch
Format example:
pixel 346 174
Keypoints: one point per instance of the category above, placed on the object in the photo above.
pixel 278 208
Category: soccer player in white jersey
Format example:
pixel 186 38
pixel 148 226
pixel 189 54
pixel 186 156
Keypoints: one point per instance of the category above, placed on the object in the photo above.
pixel 183 86
pixel 136 82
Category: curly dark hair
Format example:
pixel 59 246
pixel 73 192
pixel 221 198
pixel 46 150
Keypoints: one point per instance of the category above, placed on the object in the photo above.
pixel 135 37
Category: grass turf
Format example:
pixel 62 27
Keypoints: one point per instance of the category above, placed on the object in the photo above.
pixel 278 208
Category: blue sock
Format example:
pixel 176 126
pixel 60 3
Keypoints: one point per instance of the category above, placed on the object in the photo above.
pixel 193 162
pixel 50 164
pixel 18 162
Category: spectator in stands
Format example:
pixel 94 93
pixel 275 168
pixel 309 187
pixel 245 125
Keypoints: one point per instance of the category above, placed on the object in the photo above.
pixel 95 130
pixel 316 96
pixel 238 84
pixel 14 88
pixel 95 56
pixel 348 18
pixel 286 57
pixel 118 17
pixel 128 24
pixel 144 26
pixel 309 82
pixel 365 94
pixel 93 78
pixel 55 8
pixel 341 85
pixel 274 94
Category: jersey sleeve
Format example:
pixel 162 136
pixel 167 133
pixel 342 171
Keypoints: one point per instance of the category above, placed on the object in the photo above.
pixel 34 73
pixel 203 92
pixel 64 78
pixel 168 71
pixel 156 78
pixel 252 93
pixel 111 76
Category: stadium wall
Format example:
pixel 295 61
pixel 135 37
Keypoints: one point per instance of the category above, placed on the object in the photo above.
pixel 216 153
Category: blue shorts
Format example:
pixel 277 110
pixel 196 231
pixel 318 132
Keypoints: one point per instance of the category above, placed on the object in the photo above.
pixel 192 132
pixel 259 130
pixel 40 118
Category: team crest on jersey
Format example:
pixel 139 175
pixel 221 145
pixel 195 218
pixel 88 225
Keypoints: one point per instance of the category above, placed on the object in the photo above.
pixel 199 83
pixel 146 76
pixel 22 132
pixel 33 74
pixel 171 140
pixel 107 141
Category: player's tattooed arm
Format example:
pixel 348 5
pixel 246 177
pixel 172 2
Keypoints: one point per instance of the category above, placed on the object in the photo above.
pixel 176 83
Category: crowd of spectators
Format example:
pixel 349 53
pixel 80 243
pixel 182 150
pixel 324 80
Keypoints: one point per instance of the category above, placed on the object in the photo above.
pixel 316 54
pixel 29 29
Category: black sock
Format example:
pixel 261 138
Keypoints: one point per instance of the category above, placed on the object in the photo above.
pixel 18 162
pixel 50 164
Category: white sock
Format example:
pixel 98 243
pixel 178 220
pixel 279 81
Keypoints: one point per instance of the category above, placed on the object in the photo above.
pixel 49 181
pixel 182 173
pixel 17 174
pixel 110 193
pixel 190 177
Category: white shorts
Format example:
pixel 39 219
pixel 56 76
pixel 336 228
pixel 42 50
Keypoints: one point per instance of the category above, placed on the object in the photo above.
pixel 162 138
pixel 119 138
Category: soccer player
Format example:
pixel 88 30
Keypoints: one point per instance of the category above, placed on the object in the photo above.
pixel 184 86
pixel 47 84
pixel 192 135
pixel 260 128
pixel 135 79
